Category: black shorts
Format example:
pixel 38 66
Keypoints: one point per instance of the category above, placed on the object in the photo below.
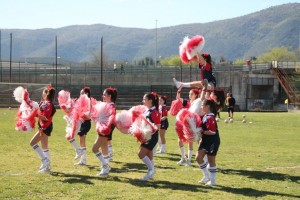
pixel 47 130
pixel 230 109
pixel 109 136
pixel 150 144
pixel 85 128
pixel 210 144
pixel 164 124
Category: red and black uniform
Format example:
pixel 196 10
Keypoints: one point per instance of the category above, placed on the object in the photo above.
pixel 164 124
pixel 207 73
pixel 111 119
pixel 153 116
pixel 46 109
pixel 210 143
pixel 85 126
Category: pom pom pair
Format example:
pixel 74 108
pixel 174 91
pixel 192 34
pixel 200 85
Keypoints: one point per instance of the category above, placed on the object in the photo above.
pixel 25 120
pixel 190 48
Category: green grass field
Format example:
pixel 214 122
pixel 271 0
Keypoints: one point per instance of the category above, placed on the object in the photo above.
pixel 255 160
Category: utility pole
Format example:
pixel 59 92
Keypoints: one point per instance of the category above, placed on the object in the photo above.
pixel 101 65
pixel 56 62
pixel 0 57
pixel 10 57
pixel 155 43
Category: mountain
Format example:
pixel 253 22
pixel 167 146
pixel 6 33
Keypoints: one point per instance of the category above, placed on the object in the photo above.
pixel 240 37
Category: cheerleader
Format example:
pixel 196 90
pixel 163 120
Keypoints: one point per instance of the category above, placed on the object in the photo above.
pixel 150 100
pixel 45 114
pixel 219 97
pixel 209 144
pixel 164 124
pixel 193 96
pixel 208 79
pixel 104 126
pixel 84 129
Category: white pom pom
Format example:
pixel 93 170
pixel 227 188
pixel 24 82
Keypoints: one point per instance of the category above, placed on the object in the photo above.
pixel 18 94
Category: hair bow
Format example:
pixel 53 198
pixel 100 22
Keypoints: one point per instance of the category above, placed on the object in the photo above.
pixel 49 87
pixel 111 89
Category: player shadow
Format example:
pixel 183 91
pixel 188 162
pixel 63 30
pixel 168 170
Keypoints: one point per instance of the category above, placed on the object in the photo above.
pixel 260 175
pixel 168 156
pixel 164 184
pixel 75 178
pixel 196 187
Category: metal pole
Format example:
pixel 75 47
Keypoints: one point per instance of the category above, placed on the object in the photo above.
pixel 10 57
pixel 155 43
pixel 0 57
pixel 101 65
pixel 85 73
pixel 56 62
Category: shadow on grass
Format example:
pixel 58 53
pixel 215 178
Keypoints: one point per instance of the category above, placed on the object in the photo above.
pixel 75 178
pixel 161 184
pixel 260 175
pixel 249 192
pixel 168 156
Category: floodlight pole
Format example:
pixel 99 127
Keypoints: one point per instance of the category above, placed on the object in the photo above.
pixel 0 56
pixel 10 57
pixel 101 65
pixel 56 62
pixel 155 43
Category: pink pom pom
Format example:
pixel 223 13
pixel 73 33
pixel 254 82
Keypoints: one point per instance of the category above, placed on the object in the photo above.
pixel 103 128
pixel 179 131
pixel 123 121
pixel 194 46
pixel 103 114
pixel 176 106
pixel 191 127
pixel 26 95
pixel 25 120
pixel 187 125
pixel 183 50
pixel 65 102
pixel 137 110
pixel 142 129
pixel 181 114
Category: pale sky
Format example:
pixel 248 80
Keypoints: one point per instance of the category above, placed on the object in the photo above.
pixel 149 14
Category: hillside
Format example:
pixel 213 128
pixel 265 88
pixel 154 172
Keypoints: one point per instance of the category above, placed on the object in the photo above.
pixel 244 36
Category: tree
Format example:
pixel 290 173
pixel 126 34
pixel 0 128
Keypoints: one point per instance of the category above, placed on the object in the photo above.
pixel 281 54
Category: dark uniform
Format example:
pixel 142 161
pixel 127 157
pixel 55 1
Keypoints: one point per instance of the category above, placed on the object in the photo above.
pixel 154 117
pixel 210 143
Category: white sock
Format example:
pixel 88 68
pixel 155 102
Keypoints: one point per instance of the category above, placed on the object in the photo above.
pixel 73 142
pixel 152 162
pixel 106 158
pixel 182 152
pixel 204 169
pixel 163 147
pixel 185 85
pixel 154 151
pixel 190 154
pixel 179 84
pixel 39 151
pixel 148 162
pixel 110 150
pixel 100 157
pixel 213 172
pixel 83 157
pixel 47 153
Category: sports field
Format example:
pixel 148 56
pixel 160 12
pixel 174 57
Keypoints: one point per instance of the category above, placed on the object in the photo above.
pixel 256 159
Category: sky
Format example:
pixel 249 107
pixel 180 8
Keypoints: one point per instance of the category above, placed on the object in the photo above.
pixel 148 14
